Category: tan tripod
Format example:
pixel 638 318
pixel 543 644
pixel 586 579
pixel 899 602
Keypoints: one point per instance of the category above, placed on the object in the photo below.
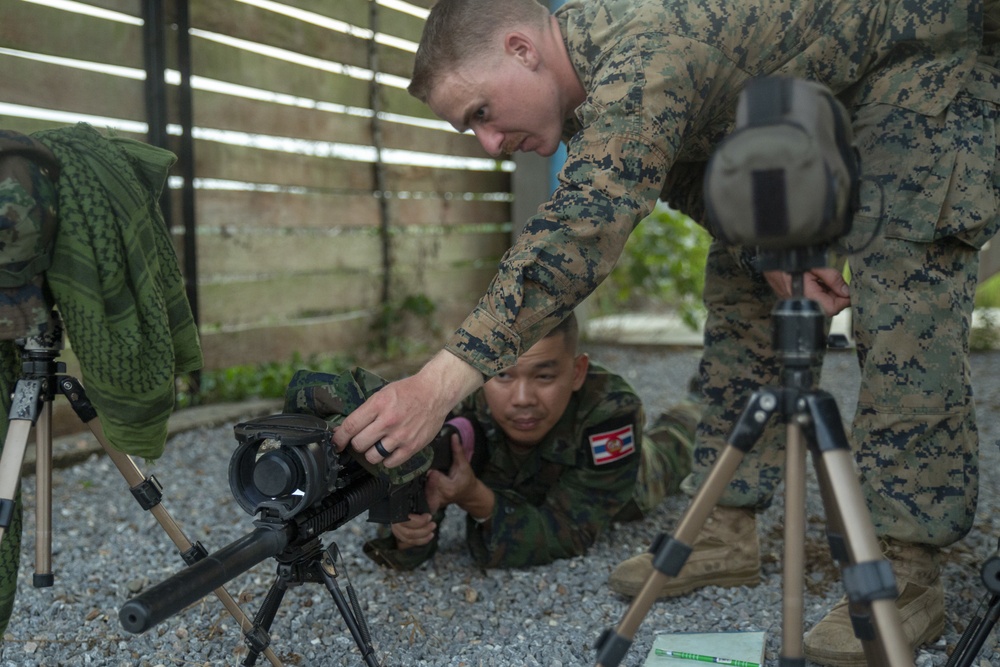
pixel 812 417
pixel 31 406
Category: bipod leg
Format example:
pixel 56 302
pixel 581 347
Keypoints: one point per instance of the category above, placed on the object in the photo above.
pixel 353 616
pixel 148 493
pixel 867 575
pixel 975 635
pixel 258 635
pixel 981 625
pixel 670 553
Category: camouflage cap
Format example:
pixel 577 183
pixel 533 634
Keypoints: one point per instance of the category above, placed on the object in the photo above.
pixel 28 222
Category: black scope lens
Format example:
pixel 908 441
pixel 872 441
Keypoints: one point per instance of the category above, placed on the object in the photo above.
pixel 277 474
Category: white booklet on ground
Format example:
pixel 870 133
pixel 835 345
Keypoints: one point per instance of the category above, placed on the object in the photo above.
pixel 727 648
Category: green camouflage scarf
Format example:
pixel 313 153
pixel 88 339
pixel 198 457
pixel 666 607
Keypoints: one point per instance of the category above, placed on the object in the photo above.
pixel 116 282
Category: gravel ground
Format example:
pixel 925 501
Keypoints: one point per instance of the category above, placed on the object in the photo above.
pixel 106 549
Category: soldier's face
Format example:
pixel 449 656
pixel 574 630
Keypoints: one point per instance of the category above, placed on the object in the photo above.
pixel 509 105
pixel 529 398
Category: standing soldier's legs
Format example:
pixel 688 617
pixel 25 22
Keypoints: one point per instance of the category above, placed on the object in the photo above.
pixel 914 432
pixel 738 358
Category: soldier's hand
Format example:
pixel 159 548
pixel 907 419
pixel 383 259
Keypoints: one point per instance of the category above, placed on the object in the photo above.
pixel 415 532
pixel 457 484
pixel 404 416
pixel 825 286
pixel 460 486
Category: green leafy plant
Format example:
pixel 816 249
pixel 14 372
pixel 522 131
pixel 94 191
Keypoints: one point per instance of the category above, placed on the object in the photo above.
pixel 985 333
pixel 239 383
pixel 661 267
pixel 988 293
pixel 985 336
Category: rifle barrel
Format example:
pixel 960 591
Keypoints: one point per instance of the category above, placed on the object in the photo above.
pixel 198 580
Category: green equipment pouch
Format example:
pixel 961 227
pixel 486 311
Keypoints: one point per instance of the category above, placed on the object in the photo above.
pixel 332 397
pixel 787 176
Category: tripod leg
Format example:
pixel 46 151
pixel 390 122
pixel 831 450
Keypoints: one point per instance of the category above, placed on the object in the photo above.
pixel 670 553
pixel 868 577
pixel 793 575
pixel 981 625
pixel 860 613
pixel 23 413
pixel 43 576
pixel 147 491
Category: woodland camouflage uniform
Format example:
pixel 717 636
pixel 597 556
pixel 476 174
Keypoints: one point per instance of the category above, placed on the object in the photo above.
pixel 663 79
pixel 28 171
pixel 554 501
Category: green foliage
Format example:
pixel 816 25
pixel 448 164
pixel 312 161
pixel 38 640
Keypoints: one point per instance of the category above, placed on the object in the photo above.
pixel 239 383
pixel 988 293
pixel 986 332
pixel 986 335
pixel 662 266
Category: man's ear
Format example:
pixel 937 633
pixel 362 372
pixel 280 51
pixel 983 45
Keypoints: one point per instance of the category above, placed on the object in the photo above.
pixel 580 366
pixel 522 48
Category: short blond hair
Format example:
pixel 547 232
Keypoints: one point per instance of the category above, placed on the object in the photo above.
pixel 457 30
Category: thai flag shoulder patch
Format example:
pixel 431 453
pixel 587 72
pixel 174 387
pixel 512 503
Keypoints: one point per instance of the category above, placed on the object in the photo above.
pixel 614 445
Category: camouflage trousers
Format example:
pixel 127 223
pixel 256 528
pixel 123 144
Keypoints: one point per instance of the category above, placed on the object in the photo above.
pixel 929 198
pixel 667 446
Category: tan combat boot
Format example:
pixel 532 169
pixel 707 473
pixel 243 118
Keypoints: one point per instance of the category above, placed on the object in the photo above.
pixel 921 609
pixel 725 553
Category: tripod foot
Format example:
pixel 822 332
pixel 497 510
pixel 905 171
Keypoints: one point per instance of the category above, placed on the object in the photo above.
pixel 611 648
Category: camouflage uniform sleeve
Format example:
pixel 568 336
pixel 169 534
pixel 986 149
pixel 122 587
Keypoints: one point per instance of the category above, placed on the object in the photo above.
pixel 582 502
pixel 384 550
pixel 28 223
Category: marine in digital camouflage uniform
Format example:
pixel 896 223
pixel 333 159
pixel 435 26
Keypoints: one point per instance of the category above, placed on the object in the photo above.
pixel 553 498
pixel 661 80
